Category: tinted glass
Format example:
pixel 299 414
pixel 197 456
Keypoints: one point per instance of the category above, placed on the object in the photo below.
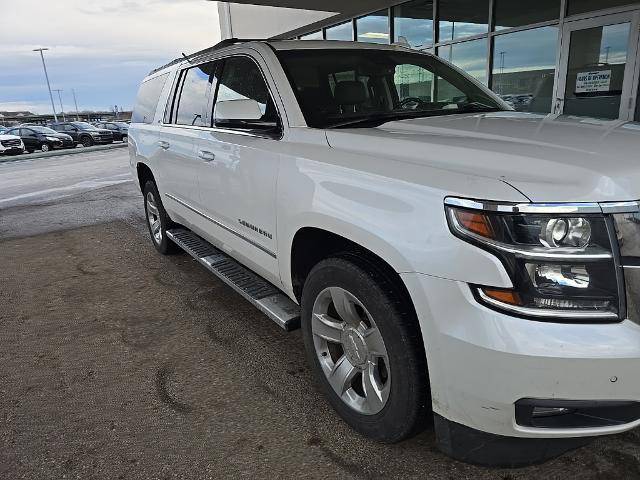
pixel 194 95
pixel 345 85
pixel 413 24
pixel 85 125
pixel 43 130
pixel 469 56
pixel 242 79
pixel 312 36
pixel 583 6
pixel 596 71
pixel 510 14
pixel 524 67
pixel 373 28
pixel 344 31
pixel 147 99
pixel 462 18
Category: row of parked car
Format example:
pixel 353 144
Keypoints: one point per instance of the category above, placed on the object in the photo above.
pixel 28 138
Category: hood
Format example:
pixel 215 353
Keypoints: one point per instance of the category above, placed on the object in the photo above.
pixel 548 158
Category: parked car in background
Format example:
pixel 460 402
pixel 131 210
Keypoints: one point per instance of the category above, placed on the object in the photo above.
pixel 10 144
pixel 119 130
pixel 84 133
pixel 36 137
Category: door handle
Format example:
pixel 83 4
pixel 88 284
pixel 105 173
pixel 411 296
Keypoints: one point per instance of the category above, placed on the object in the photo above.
pixel 164 145
pixel 206 155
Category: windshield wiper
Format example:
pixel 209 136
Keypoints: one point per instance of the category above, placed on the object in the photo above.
pixel 380 119
pixel 476 107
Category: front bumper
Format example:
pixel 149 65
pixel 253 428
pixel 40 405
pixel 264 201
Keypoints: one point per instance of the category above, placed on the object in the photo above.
pixel 481 362
pixel 11 150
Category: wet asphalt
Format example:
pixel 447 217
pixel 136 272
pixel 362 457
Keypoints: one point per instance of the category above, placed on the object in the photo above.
pixel 116 362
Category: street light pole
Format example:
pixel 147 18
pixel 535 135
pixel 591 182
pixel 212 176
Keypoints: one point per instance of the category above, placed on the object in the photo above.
pixel 64 119
pixel 75 102
pixel 46 75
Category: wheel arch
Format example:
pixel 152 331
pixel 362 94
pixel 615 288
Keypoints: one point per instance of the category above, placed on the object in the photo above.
pixel 311 245
pixel 144 174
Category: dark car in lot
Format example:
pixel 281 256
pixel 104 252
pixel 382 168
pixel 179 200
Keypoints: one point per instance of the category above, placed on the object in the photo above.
pixel 120 130
pixel 84 133
pixel 36 137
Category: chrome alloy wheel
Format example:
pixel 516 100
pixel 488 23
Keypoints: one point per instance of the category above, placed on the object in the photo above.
pixel 351 350
pixel 153 217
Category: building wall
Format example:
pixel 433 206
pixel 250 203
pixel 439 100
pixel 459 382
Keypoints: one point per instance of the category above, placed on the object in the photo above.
pixel 258 21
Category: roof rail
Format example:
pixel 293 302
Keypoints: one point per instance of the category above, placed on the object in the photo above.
pixel 223 43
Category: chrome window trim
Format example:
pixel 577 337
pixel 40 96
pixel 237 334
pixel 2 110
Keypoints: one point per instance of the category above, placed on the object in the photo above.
pixel 542 313
pixel 531 252
pixel 221 225
pixel 213 130
pixel 544 208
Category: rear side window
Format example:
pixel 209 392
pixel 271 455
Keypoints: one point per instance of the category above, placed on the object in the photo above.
pixel 147 100
pixel 194 91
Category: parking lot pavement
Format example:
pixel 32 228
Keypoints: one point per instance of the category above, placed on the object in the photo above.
pixel 116 362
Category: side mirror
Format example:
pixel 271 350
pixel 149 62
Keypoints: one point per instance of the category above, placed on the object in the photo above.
pixel 235 111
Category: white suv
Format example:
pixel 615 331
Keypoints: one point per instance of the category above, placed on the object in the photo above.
pixel 10 144
pixel 442 253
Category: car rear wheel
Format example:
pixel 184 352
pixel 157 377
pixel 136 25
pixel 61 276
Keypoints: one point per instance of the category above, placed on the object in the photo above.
pixel 158 221
pixel 365 348
pixel 87 141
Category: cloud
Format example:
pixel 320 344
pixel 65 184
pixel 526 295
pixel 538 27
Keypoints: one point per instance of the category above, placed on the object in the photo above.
pixel 101 48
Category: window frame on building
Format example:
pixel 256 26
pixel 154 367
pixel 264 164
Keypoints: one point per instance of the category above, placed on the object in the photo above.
pixel 493 31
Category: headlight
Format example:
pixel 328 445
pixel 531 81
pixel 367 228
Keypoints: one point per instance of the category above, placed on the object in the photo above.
pixel 560 258
pixel 53 139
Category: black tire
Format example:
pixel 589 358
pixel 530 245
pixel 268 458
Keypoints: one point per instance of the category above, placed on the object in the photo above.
pixel 164 246
pixel 45 147
pixel 408 408
pixel 87 141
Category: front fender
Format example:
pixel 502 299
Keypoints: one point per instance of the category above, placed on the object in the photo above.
pixel 401 221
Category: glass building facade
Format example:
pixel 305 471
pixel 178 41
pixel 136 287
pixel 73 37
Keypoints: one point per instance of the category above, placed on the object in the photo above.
pixel 515 47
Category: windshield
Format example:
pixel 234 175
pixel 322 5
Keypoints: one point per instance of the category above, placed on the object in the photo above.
pixel 84 126
pixel 357 87
pixel 46 130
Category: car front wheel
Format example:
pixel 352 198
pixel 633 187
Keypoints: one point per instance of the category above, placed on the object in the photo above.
pixel 365 347
pixel 45 147
pixel 87 141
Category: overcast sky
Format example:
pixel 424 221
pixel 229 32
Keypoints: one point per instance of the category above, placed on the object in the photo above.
pixel 101 48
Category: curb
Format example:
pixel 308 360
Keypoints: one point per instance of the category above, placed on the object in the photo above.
pixel 57 153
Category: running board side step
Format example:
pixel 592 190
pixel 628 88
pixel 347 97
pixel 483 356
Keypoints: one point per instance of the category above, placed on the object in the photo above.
pixel 262 294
